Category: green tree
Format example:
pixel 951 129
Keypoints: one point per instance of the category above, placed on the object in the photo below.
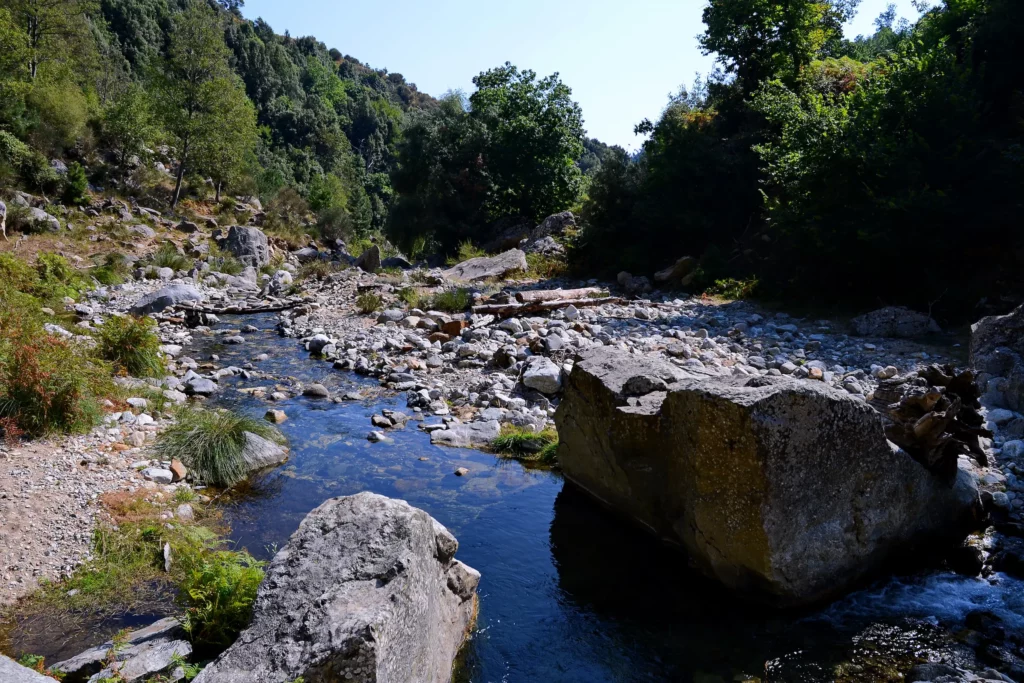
pixel 227 148
pixel 13 46
pixel 128 124
pixel 535 139
pixel 55 28
pixel 195 85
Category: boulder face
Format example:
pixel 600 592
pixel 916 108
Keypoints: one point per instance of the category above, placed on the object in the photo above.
pixel 485 267
pixel 366 590
pixel 12 672
pixel 249 245
pixel 783 490
pixel 369 260
pixel 170 295
pixel 894 321
pixel 997 350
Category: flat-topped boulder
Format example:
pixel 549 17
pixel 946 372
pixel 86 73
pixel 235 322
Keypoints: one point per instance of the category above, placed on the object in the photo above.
pixel 368 589
pixel 486 267
pixel 784 490
pixel 171 295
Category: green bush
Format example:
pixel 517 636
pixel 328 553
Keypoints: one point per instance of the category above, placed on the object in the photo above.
pixel 368 303
pixel 412 297
pixel 167 256
pixel 467 250
pixel 318 270
pixel 451 301
pixel 47 383
pixel 31 166
pixel 131 344
pixel 210 443
pixel 76 185
pixel 224 262
pixel 57 278
pixel 113 271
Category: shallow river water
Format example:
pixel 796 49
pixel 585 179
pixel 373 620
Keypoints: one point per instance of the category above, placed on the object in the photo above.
pixel 570 593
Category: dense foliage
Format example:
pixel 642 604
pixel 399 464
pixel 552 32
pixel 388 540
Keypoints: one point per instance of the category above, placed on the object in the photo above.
pixel 884 169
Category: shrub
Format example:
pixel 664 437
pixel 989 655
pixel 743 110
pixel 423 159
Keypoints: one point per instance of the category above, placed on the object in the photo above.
pixel 210 443
pixel 57 278
pixel 731 288
pixel 17 274
pixel 47 383
pixel 217 589
pixel 114 270
pixel 412 297
pixel 521 444
pixel 334 223
pixel 545 267
pixel 132 345
pixel 318 270
pixel 167 256
pixel 368 303
pixel 451 300
pixel 467 250
pixel 75 185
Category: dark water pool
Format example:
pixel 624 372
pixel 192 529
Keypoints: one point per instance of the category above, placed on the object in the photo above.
pixel 570 593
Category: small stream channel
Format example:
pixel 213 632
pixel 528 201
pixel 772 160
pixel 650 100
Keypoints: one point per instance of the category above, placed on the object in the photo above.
pixel 570 593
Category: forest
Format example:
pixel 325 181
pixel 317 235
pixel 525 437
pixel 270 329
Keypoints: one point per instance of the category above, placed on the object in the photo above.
pixel 809 166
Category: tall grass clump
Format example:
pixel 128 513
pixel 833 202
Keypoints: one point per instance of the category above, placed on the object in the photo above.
pixel 318 270
pixel 467 250
pixel 210 443
pixel 131 344
pixel 534 447
pixel 412 297
pixel 368 303
pixel 224 262
pixel 167 256
pixel 114 269
pixel 451 301
pixel 48 383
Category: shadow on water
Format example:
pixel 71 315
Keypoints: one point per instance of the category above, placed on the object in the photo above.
pixel 569 592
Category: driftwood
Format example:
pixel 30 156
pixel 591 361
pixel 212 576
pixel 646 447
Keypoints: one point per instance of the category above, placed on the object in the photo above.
pixel 933 415
pixel 241 309
pixel 536 295
pixel 510 310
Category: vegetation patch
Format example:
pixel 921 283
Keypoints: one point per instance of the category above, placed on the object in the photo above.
pixel 368 302
pixel 467 250
pixel 210 443
pixel 167 256
pixel 451 300
pixel 131 344
pixel 224 262
pixel 318 270
pixel 540 448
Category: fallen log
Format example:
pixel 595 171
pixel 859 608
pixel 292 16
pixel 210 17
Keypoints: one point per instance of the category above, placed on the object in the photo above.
pixel 240 309
pixel 536 295
pixel 509 310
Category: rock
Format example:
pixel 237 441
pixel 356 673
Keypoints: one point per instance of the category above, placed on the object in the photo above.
pixel 171 295
pixel 249 245
pixel 369 260
pixel 306 254
pixel 395 262
pixel 148 651
pixel 36 220
pixel 143 231
pixel 367 590
pixel 12 672
pixel 546 246
pixel 997 348
pixel 555 224
pixel 275 416
pixel 260 453
pixel 158 474
pixel 472 435
pixel 893 321
pixel 179 470
pixel 543 375
pixel 200 386
pixel 934 672
pixel 185 513
pixel 782 489
pixel 461 471
pixel 189 227
pixel 485 267
pixel 316 391
pixel 677 271
pixel 633 285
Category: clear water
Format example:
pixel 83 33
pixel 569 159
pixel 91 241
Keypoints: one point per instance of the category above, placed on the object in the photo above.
pixel 569 592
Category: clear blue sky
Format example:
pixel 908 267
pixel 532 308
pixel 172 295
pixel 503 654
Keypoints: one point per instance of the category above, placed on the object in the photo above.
pixel 621 59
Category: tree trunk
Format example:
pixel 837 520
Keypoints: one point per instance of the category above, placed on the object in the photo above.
pixel 177 184
pixel 509 310
pixel 217 197
pixel 534 295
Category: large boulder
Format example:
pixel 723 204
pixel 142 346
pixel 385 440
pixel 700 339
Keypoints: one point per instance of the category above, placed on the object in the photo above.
pixel 249 245
pixel 681 272
pixel 486 267
pixel 140 654
pixel 171 295
pixel 997 350
pixel 894 321
pixel 259 453
pixel 366 590
pixel 34 219
pixel 369 260
pixel 12 672
pixel 785 490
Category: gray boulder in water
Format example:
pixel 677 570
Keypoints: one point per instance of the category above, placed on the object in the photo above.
pixel 784 490
pixel 171 295
pixel 485 267
pixel 366 590
pixel 249 245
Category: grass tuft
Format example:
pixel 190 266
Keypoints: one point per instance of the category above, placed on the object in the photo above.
pixel 167 256
pixel 467 250
pixel 318 270
pixel 131 344
pixel 210 443
pixel 368 303
pixel 224 262
pixel 535 447
pixel 451 301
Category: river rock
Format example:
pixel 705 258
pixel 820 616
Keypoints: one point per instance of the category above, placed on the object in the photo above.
pixel 366 590
pixel 484 267
pixel 543 375
pixel 36 219
pixel 680 272
pixel 144 653
pixel 369 260
pixel 894 321
pixel 12 672
pixel 171 295
pixel 249 245
pixel 472 435
pixel 396 262
pixel 259 452
pixel 781 489
pixel 997 348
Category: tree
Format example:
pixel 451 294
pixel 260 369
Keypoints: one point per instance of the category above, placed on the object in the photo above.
pixel 13 46
pixel 195 87
pixel 227 149
pixel 55 28
pixel 128 124
pixel 760 39
pixel 535 138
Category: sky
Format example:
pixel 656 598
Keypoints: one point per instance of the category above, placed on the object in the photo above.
pixel 621 59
